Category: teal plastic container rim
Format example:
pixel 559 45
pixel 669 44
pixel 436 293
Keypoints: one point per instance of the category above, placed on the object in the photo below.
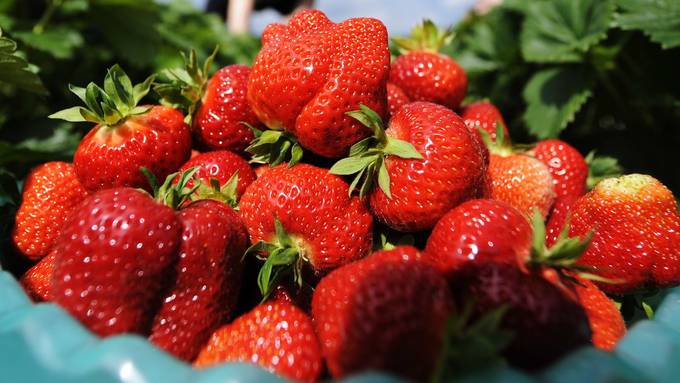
pixel 42 343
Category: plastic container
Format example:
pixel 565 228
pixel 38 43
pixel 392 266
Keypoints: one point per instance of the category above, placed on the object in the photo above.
pixel 42 343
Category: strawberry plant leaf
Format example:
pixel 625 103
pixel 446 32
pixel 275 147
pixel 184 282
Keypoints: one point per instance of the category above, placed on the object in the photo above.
pixel 564 30
pixel 553 98
pixel 601 167
pixel 659 19
pixel 60 42
pixel 15 70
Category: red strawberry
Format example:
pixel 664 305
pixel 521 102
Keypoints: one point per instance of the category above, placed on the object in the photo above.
pixel 386 312
pixel 479 230
pixel 546 322
pixel 275 335
pixel 208 278
pixel 112 258
pixel 396 98
pixel 484 115
pixel 311 71
pixel 51 191
pixel 217 105
pixel 567 167
pixel 221 165
pixel 320 225
pixel 37 281
pixel 126 137
pixel 425 163
pixel 606 322
pixel 423 73
pixel 559 216
pixel 636 229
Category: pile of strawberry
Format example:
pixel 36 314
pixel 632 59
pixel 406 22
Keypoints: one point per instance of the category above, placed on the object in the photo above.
pixel 276 247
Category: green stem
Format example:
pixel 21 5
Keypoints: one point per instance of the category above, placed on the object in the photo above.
pixel 52 6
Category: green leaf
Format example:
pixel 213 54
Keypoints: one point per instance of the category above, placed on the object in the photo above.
pixel 15 70
pixel 351 165
pixel 383 178
pixel 553 98
pixel 401 149
pixel 60 42
pixel 563 30
pixel 659 19
pixel 600 168
pixel 73 114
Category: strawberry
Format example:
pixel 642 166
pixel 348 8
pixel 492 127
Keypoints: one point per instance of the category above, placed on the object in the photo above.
pixel 216 106
pixel 559 217
pixel 567 167
pixel 547 323
pixel 386 312
pixel 112 258
pixel 303 217
pixel 423 73
pixel 425 163
pixel 479 230
pixel 37 281
pixel 517 178
pixel 51 191
pixel 484 115
pixel 208 278
pixel 126 137
pixel 636 228
pixel 275 335
pixel 311 71
pixel 606 322
pixel 396 98
pixel 221 165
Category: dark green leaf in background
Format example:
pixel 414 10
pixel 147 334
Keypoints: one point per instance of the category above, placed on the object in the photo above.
pixel 563 30
pixel 553 97
pixel 14 69
pixel 60 42
pixel 659 19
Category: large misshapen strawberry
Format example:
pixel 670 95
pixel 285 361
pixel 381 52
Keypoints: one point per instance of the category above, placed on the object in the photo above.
pixel 636 228
pixel 126 137
pixel 311 71
pixel 424 164
pixel 216 106
pixel 112 258
pixel 387 312
pixel 423 73
pixel 304 218
pixel 51 191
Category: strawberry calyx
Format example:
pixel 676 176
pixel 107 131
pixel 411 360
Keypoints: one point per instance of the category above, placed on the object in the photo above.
pixel 367 157
pixel 274 147
pixel 170 193
pixel 501 146
pixel 425 36
pixel 285 256
pixel 471 343
pixel 183 88
pixel 109 106
pixel 563 255
pixel 213 190
pixel 601 168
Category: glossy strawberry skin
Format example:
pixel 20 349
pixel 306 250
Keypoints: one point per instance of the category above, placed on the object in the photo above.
pixel 483 115
pixel 275 335
pixel 51 191
pixel 396 98
pixel 423 190
pixel 218 122
pixel 479 230
pixel 385 312
pixel 567 167
pixel 221 165
pixel 112 258
pixel 432 77
pixel 37 281
pixel 559 216
pixel 311 71
pixel 314 208
pixel 207 278
pixel 636 229
pixel 111 157
pixel 606 323
pixel 523 182
pixel 546 322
